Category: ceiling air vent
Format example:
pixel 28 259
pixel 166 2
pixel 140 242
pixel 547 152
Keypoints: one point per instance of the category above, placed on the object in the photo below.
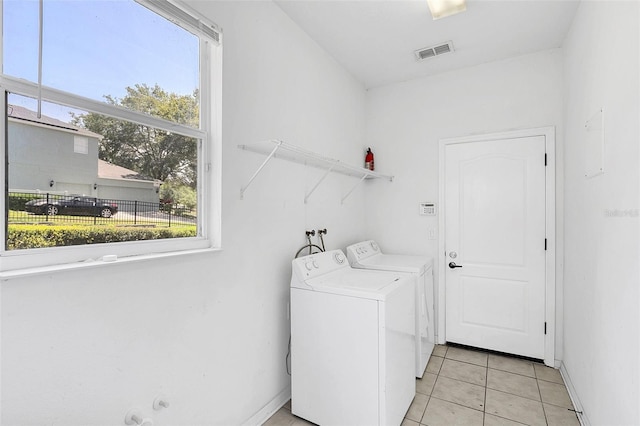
pixel 430 52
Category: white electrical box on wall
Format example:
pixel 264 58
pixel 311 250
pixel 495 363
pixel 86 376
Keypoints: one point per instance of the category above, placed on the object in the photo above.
pixel 427 209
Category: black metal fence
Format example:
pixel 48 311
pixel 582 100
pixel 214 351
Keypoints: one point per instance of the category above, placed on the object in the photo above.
pixel 25 207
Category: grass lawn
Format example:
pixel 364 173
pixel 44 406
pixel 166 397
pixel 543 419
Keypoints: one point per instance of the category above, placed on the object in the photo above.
pixel 119 219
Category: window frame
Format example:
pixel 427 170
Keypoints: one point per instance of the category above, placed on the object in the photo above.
pixel 80 145
pixel 209 153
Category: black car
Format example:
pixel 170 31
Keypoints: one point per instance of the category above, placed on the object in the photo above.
pixel 77 205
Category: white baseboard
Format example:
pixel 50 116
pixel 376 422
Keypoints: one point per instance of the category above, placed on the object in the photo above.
pixel 577 405
pixel 268 410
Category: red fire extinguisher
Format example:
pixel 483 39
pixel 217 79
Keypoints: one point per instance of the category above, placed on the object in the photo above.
pixel 368 160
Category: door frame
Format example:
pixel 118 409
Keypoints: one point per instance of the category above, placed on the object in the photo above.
pixel 550 229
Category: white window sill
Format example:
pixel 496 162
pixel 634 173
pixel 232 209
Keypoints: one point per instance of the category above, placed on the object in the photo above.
pixel 45 270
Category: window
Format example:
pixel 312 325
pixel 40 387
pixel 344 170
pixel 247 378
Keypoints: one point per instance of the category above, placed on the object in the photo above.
pixel 81 145
pixel 133 86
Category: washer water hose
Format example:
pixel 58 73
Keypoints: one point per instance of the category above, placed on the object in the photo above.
pixel 310 245
pixel 320 233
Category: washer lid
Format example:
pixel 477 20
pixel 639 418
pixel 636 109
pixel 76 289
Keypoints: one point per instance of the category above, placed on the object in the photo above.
pixel 359 283
pixel 394 262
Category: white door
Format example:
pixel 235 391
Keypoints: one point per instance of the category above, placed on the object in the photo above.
pixel 495 244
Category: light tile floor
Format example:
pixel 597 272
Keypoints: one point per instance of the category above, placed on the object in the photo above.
pixel 467 387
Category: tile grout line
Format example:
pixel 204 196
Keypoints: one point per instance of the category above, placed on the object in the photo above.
pixel 511 420
pixel 512 372
pixel 455 403
pixel 446 349
pixel 466 362
pixel 541 400
pixel 425 409
pixel 486 386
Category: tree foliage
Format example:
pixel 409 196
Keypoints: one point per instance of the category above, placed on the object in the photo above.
pixel 151 152
pixel 176 193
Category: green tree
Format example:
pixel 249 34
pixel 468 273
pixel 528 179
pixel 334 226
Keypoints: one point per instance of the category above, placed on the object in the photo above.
pixel 151 152
pixel 177 193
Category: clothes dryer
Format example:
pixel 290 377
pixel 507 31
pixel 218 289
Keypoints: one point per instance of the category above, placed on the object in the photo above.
pixel 352 345
pixel 367 255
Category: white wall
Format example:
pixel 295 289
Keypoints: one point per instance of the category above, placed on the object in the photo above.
pixel 405 121
pixel 602 325
pixel 210 331
pixel 39 154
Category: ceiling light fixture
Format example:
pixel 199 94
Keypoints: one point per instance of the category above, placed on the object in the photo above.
pixel 443 8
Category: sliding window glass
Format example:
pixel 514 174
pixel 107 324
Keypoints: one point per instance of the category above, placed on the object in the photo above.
pixel 110 129
pixel 114 51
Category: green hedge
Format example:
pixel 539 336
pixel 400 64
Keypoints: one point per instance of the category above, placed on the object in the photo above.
pixel 17 201
pixel 34 236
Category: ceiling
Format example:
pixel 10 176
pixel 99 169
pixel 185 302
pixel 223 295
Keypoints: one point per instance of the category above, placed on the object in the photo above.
pixel 375 40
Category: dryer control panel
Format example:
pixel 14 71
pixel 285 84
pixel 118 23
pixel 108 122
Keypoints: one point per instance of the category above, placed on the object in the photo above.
pixel 318 264
pixel 362 250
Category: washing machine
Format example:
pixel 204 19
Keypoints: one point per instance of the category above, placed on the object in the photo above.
pixel 352 344
pixel 367 255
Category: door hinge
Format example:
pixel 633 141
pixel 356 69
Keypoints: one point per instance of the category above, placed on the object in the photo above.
pixel 545 158
pixel 545 327
pixel 545 243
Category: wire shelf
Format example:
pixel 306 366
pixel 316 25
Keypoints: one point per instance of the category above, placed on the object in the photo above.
pixel 285 151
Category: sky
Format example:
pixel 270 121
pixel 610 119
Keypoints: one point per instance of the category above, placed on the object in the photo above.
pixel 95 48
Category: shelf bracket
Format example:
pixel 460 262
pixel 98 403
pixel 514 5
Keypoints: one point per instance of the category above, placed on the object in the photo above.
pixel 354 187
pixel 306 197
pixel 264 163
